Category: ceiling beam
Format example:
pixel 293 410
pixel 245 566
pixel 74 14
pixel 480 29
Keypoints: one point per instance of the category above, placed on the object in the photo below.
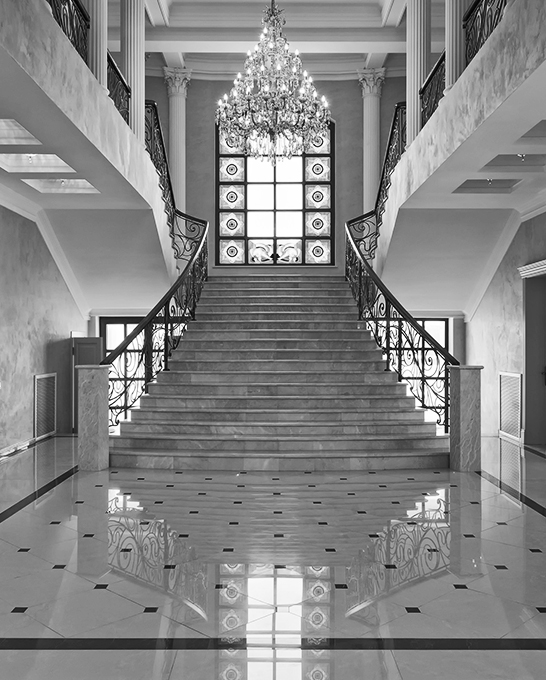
pixel 376 59
pixel 392 12
pixel 158 12
pixel 174 59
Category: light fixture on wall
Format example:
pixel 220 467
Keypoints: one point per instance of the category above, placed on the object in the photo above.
pixel 273 110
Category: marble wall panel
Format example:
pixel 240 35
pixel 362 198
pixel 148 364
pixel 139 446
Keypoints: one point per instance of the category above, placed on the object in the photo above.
pixel 37 314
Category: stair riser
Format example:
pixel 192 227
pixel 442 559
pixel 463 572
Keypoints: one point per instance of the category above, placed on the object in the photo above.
pixel 309 462
pixel 250 445
pixel 302 390
pixel 205 403
pixel 225 357
pixel 252 317
pixel 267 307
pixel 248 430
pixel 273 416
pixel 380 377
pixel 297 366
pixel 272 300
pixel 297 343
pixel 349 339
pixel 278 324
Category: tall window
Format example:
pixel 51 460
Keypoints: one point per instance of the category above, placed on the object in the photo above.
pixel 279 215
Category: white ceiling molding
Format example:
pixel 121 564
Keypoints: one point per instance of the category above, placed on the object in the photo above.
pixel 499 251
pixel 529 271
pixel 17 203
pixel 392 12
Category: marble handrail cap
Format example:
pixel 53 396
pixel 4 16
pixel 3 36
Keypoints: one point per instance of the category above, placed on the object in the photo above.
pixel 464 368
pixel 92 366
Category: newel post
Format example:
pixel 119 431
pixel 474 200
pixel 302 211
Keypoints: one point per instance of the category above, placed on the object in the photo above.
pixel 93 453
pixel 465 418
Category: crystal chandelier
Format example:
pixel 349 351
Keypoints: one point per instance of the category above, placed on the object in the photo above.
pixel 273 110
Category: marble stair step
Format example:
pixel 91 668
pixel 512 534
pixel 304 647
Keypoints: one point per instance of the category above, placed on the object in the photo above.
pixel 311 299
pixel 258 376
pixel 311 429
pixel 267 356
pixel 300 365
pixel 275 325
pixel 287 389
pixel 348 403
pixel 272 314
pixel 308 462
pixel 257 294
pixel 364 415
pixel 291 443
pixel 297 342
pixel 259 333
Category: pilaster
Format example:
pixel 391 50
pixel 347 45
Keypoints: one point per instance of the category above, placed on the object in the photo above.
pixel 93 436
pixel 465 418
pixel 417 61
pixel 177 80
pixel 133 59
pixel 371 81
pixel 98 39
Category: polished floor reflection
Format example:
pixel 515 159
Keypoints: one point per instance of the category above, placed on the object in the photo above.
pixel 248 575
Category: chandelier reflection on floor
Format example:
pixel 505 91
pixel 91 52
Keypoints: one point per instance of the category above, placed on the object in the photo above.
pixel 273 110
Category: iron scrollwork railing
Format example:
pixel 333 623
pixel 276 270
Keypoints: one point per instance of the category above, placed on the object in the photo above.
pixel 367 226
pixel 147 350
pixel 479 22
pixel 416 357
pixel 433 89
pixel 73 18
pixel 118 89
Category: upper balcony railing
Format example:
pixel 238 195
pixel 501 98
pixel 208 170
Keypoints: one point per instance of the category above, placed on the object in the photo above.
pixel 433 89
pixel 480 20
pixel 118 90
pixel 73 18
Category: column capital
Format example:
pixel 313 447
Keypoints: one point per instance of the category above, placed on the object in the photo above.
pixel 371 81
pixel 177 80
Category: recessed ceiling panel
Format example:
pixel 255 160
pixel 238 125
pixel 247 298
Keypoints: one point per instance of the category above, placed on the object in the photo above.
pixel 33 162
pixel 62 186
pixel 11 132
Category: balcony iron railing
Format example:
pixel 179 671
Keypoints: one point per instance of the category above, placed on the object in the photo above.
pixel 118 90
pixel 480 20
pixel 411 352
pixel 73 18
pixel 433 89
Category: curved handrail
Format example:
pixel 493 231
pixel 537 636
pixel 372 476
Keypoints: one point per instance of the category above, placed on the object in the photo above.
pixel 411 351
pixel 118 88
pixel 433 89
pixel 479 21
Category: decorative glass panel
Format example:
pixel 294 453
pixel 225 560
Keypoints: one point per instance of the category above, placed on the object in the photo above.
pixel 290 170
pixel 259 171
pixel 228 146
pixel 232 252
pixel 317 252
pixel 232 224
pixel 289 251
pixel 317 224
pixel 289 223
pixel 232 197
pixel 317 169
pixel 232 170
pixel 320 144
pixel 260 197
pixel 260 252
pixel 289 197
pixel 261 224
pixel 317 196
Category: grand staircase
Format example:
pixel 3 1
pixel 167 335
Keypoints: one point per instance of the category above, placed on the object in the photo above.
pixel 275 374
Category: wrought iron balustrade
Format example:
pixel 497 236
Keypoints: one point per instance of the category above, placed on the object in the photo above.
pixel 416 357
pixel 73 18
pixel 480 20
pixel 433 89
pixel 118 89
pixel 147 350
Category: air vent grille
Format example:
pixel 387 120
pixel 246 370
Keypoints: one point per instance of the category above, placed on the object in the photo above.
pixel 45 405
pixel 510 404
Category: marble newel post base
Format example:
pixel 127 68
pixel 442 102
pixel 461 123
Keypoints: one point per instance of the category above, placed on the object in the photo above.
pixel 93 453
pixel 465 418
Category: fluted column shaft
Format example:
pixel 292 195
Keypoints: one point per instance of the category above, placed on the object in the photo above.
pixel 417 61
pixel 371 81
pixel 177 80
pixel 455 44
pixel 98 39
pixel 132 56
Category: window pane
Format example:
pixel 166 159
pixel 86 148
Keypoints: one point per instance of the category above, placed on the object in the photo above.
pixel 289 224
pixel 289 196
pixel 232 197
pixel 437 329
pixel 232 224
pixel 289 590
pixel 232 170
pixel 260 590
pixel 317 224
pixel 228 146
pixel 289 251
pixel 260 252
pixel 317 196
pixel 290 670
pixel 115 335
pixel 260 620
pixel 260 196
pixel 317 252
pixel 232 252
pixel 290 170
pixel 320 144
pixel 286 621
pixel 259 171
pixel 317 169
pixel 261 224
pixel 257 670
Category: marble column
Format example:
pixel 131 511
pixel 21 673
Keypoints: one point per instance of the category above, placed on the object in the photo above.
pixel 177 80
pixel 133 58
pixel 98 39
pixel 371 81
pixel 455 43
pixel 93 453
pixel 417 61
pixel 465 418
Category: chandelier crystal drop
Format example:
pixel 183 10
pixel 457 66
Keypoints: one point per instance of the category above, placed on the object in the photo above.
pixel 273 110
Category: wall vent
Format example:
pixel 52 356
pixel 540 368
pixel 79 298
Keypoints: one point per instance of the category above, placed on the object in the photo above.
pixel 510 405
pixel 45 405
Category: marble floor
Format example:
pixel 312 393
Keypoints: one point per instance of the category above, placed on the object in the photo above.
pixel 163 575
